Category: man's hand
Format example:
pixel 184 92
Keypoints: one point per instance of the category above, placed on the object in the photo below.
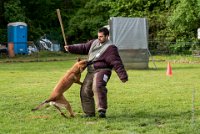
pixel 66 48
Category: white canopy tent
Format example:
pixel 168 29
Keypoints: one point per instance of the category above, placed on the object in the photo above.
pixel 130 35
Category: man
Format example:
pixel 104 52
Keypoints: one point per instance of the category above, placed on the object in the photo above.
pixel 104 57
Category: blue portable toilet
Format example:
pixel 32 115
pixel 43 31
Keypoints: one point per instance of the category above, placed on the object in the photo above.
pixel 17 33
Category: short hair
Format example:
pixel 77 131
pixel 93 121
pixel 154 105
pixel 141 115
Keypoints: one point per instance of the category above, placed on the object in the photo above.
pixel 104 30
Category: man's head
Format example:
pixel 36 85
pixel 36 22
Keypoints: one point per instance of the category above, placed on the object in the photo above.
pixel 103 34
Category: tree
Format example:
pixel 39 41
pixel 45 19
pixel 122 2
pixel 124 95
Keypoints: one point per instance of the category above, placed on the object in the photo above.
pixel 85 23
pixel 184 19
pixel 171 21
pixel 183 24
pixel 43 17
pixel 14 11
pixel 3 23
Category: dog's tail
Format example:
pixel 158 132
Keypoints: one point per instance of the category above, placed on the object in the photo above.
pixel 40 105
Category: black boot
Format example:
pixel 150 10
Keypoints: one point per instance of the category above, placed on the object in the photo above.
pixel 88 115
pixel 102 114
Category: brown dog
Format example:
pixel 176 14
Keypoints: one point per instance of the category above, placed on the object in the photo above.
pixel 57 98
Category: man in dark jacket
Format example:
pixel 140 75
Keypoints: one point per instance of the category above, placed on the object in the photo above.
pixel 104 57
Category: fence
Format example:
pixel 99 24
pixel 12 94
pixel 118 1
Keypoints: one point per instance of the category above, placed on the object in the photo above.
pixel 162 47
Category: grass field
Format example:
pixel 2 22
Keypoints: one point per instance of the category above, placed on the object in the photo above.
pixel 149 103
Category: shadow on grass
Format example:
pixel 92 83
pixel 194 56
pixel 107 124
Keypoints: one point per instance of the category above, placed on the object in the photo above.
pixel 180 121
pixel 144 118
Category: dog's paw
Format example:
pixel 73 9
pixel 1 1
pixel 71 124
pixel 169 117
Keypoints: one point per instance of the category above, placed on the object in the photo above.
pixel 63 115
pixel 72 115
pixel 34 109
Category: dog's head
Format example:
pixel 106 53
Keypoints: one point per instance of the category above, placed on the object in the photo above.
pixel 80 65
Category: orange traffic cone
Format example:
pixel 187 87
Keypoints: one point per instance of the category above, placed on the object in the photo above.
pixel 169 70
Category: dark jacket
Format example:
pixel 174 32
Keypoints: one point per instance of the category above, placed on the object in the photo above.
pixel 109 59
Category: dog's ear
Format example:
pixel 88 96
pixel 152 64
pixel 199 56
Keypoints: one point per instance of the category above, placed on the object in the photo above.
pixel 78 59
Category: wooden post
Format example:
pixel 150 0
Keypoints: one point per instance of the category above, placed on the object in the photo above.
pixel 61 25
pixel 11 52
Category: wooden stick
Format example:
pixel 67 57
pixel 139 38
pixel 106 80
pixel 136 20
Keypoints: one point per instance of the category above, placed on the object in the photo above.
pixel 61 24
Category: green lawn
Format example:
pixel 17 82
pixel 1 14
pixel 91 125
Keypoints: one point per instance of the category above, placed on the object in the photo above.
pixel 149 103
